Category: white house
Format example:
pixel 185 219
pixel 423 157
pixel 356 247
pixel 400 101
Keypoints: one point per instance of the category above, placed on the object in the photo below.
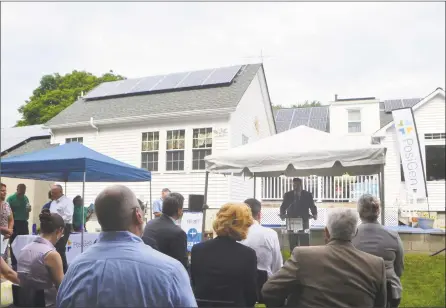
pixel 168 124
pixel 370 117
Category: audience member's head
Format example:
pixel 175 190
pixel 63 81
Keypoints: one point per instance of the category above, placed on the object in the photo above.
pixel 341 224
pixel 78 201
pixel 368 208
pixel 297 184
pixel 2 192
pixel 21 189
pixel 56 191
pixel 164 193
pixel 117 209
pixel 51 225
pixel 233 220
pixel 255 206
pixel 173 205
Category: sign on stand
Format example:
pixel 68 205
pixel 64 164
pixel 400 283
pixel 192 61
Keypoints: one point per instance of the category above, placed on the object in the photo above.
pixel 191 223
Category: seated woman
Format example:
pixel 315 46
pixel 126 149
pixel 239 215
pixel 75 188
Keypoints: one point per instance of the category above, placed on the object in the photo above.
pixel 374 239
pixel 39 265
pixel 223 270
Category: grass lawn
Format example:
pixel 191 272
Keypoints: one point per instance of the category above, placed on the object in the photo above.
pixel 423 280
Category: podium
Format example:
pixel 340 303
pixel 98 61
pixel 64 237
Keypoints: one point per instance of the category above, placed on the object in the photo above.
pixel 297 235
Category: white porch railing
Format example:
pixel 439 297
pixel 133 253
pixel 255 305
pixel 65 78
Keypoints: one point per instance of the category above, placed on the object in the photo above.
pixel 323 188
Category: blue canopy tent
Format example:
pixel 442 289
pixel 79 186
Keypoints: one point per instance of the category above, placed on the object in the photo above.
pixel 72 162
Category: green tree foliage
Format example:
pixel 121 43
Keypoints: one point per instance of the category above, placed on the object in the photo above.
pixel 301 105
pixel 56 92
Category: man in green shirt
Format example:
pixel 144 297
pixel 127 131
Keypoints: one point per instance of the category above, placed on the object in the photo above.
pixel 20 207
pixel 78 221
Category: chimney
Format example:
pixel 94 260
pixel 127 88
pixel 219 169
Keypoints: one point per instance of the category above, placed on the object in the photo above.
pixel 336 97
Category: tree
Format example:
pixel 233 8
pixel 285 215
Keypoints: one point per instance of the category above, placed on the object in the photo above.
pixel 56 92
pixel 305 104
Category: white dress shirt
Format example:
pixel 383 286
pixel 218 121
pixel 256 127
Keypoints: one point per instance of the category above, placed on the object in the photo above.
pixel 265 243
pixel 64 207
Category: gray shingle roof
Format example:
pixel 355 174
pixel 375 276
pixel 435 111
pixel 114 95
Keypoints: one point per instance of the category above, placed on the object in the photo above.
pixel 13 136
pixel 385 116
pixel 31 146
pixel 158 103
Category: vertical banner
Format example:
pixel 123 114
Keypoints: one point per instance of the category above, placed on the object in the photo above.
pixel 410 152
pixel 191 224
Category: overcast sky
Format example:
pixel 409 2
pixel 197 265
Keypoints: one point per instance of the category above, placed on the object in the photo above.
pixel 312 50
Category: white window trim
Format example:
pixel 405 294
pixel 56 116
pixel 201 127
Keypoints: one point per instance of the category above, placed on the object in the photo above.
pixel 158 151
pixel 360 121
pixel 195 149
pixel 175 150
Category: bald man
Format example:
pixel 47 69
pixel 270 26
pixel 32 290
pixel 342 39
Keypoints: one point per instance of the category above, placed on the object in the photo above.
pixel 120 270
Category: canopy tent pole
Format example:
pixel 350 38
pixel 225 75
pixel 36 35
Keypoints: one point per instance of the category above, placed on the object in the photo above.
pixel 83 207
pixel 255 185
pixel 150 199
pixel 205 207
pixel 382 195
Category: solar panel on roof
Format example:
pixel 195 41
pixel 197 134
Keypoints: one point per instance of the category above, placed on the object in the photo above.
pixel 319 124
pixel 392 105
pixel 170 82
pixel 195 79
pixel 146 84
pixel 282 126
pixel 285 115
pixel 301 113
pixel 319 112
pixel 102 90
pixel 124 86
pixel 410 102
pixel 223 75
pixel 298 122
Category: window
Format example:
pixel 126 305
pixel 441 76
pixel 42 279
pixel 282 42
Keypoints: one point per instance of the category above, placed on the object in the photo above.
pixel 75 139
pixel 354 121
pixel 149 151
pixel 175 150
pixel 434 136
pixel 435 162
pixel 201 147
pixel 245 139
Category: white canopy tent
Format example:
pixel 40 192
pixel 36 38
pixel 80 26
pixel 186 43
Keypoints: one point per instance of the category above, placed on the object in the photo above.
pixel 302 151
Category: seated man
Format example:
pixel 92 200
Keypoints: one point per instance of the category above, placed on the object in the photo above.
pixel 334 275
pixel 170 238
pixel 264 241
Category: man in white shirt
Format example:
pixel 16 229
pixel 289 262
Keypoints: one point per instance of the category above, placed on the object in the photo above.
pixel 63 206
pixel 264 241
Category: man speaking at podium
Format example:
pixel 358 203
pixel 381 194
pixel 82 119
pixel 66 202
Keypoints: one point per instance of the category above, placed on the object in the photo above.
pixel 298 203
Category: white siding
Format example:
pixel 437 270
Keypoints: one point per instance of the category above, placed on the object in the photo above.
pixel 369 117
pixel 124 143
pixel 429 118
pixel 252 119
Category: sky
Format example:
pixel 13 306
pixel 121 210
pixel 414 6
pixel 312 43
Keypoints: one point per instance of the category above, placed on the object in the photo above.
pixel 311 51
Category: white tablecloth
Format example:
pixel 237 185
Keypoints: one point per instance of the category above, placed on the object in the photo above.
pixel 73 246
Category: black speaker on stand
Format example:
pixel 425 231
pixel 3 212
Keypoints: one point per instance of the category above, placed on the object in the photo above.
pixel 196 203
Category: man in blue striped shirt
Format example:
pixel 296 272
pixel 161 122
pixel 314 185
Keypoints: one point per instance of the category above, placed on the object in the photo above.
pixel 120 270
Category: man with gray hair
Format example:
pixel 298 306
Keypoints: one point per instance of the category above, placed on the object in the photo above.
pixel 333 275
pixel 373 238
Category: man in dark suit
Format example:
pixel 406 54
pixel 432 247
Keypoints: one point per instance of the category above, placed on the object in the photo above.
pixel 170 238
pixel 298 203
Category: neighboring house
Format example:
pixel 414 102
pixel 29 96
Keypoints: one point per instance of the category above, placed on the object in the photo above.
pixel 23 140
pixel 168 124
pixel 370 117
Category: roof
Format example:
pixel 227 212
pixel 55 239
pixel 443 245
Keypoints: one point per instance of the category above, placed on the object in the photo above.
pixel 313 117
pixel 29 147
pixel 12 137
pixel 413 103
pixel 209 98
pixel 385 114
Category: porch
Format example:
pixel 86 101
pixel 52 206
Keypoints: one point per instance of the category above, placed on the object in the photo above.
pixel 324 188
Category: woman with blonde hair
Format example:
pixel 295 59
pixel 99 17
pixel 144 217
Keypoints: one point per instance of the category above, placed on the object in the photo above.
pixel 223 270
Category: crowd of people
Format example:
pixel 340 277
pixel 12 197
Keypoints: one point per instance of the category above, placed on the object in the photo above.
pixel 132 265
